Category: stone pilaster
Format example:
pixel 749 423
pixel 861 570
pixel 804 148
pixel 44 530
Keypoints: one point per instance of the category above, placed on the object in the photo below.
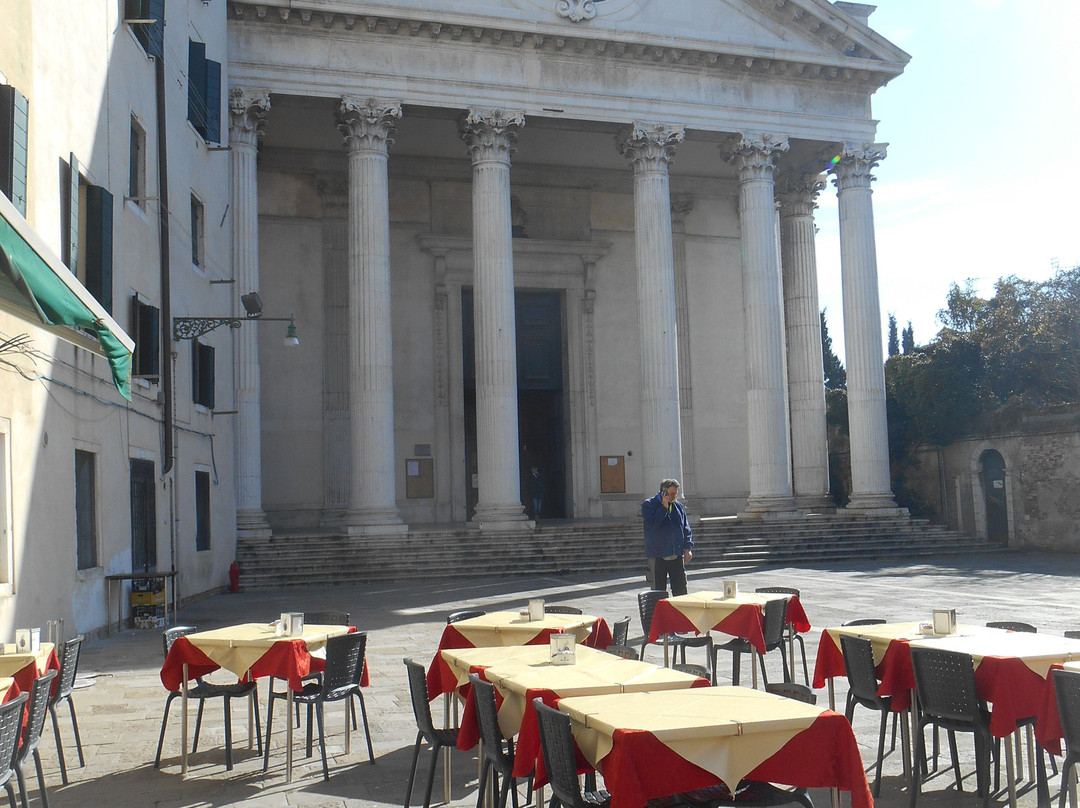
pixel 681 205
pixel 806 378
pixel 248 110
pixel 650 149
pixel 368 128
pixel 871 487
pixel 490 136
pixel 754 158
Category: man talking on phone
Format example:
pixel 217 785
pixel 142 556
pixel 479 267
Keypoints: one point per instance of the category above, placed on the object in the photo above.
pixel 668 542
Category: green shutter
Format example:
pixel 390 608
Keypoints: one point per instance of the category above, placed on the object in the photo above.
pixel 14 141
pixel 71 246
pixel 99 244
pixel 213 101
pixel 197 86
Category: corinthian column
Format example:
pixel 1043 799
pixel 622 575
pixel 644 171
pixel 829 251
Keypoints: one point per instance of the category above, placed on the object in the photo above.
pixel 490 136
pixel 871 487
pixel 806 378
pixel 754 157
pixel 368 128
pixel 247 118
pixel 650 148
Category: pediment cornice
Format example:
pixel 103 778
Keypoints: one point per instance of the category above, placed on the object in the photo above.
pixel 849 52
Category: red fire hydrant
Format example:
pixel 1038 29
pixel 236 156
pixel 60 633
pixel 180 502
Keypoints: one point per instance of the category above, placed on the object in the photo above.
pixel 234 577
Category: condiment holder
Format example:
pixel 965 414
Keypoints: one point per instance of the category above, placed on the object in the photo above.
pixel 27 640
pixel 536 609
pixel 563 649
pixel 944 621
pixel 731 589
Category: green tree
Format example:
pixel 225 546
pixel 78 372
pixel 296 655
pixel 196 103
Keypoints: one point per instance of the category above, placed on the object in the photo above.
pixel 894 337
pixel 907 339
pixel 835 375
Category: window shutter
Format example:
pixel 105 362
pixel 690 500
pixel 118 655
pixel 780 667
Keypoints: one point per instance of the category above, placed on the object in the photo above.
pixel 213 101
pixel 202 374
pixel 99 244
pixel 71 248
pixel 151 35
pixel 14 141
pixel 145 327
pixel 197 85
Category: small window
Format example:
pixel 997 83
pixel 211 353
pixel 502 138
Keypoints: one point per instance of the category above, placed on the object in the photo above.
pixel 145 328
pixel 14 141
pixel 202 374
pixel 96 264
pixel 204 92
pixel 198 248
pixel 147 21
pixel 202 510
pixel 137 163
pixel 86 509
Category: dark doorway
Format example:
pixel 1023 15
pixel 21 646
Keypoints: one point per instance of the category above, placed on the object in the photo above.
pixel 541 408
pixel 143 517
pixel 997 509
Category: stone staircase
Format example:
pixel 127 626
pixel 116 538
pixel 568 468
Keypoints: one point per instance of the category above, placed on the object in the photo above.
pixel 314 559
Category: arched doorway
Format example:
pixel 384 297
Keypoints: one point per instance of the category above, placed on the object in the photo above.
pixel 997 509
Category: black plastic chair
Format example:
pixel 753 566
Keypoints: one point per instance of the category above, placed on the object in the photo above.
pixel 1013 625
pixel 35 722
pixel 678 643
pixel 773 631
pixel 327 618
pixel 557 609
pixel 792 690
pixel 464 614
pixel 69 666
pixel 749 794
pixel 866 621
pixel 624 651
pixel 203 691
pixel 620 631
pixel 1072 635
pixel 497 751
pixel 1067 687
pixel 425 729
pixel 344 654
pixel 557 748
pixel 862 690
pixel 791 636
pixel 945 686
pixel 695 670
pixel 10 722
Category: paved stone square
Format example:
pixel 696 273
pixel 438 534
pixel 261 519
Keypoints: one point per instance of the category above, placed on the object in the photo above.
pixel 120 698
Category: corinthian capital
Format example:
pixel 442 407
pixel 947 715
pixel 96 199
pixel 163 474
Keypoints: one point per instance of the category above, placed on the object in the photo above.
pixel 247 115
pixel 856 161
pixel 798 195
pixel 650 146
pixel 368 125
pixel 490 134
pixel 754 156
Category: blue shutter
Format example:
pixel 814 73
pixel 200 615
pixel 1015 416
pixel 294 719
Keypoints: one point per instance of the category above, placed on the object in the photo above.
pixel 197 85
pixel 213 101
pixel 145 327
pixel 99 244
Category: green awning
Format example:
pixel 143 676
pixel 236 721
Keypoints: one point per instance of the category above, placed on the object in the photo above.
pixel 51 292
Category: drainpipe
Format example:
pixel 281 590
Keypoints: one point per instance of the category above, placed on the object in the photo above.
pixel 166 338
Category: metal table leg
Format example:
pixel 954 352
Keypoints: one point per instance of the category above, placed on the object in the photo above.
pixel 183 721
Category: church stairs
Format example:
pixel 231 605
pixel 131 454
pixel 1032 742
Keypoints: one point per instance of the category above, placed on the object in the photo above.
pixel 313 559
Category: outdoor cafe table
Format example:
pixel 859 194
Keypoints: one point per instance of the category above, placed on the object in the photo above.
pixel 652 744
pixel 1048 729
pixel 247 650
pixel 523 673
pixel 501 629
pixel 740 616
pixel 24 668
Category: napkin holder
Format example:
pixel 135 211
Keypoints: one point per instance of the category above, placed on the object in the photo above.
pixel 731 589
pixel 28 640
pixel 8 648
pixel 563 649
pixel 944 621
pixel 536 609
pixel 293 623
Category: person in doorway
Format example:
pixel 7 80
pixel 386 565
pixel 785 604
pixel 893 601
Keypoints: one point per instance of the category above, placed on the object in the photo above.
pixel 534 485
pixel 668 541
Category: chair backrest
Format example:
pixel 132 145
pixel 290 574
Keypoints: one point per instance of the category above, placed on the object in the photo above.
pixel 559 609
pixel 859 664
pixel 792 690
pixel 1013 625
pixel 557 748
pixel 487 716
pixel 945 684
pixel 1067 686
pixel 775 620
pixel 35 714
pixel 695 670
pixel 344 656
pixel 777 590
pixel 865 621
pixel 327 618
pixel 646 603
pixel 418 692
pixel 620 631
pixel 171 635
pixel 10 724
pixel 1073 635
pixel 69 666
pixel 463 614
pixel 624 651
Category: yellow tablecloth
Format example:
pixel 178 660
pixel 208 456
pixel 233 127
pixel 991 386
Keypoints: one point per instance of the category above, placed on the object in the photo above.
pixel 237 648
pixel 511 628
pixel 10 664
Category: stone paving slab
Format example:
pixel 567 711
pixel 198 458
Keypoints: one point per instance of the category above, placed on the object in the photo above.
pixel 120 699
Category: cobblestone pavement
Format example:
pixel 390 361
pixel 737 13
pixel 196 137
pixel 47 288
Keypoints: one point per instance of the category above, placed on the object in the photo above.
pixel 120 698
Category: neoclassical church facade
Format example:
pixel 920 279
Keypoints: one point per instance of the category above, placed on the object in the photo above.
pixel 575 235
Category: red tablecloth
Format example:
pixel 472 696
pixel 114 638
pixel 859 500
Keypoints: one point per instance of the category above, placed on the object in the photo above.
pixel 746 621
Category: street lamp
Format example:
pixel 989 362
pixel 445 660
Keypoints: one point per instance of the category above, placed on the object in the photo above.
pixel 194 327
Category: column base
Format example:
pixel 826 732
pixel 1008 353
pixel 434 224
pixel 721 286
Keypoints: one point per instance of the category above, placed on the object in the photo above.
pixel 373 522
pixel 761 505
pixel 499 518
pixel 875 504
pixel 336 519
pixel 252 525
pixel 816 503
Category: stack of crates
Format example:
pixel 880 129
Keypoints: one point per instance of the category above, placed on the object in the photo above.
pixel 148 602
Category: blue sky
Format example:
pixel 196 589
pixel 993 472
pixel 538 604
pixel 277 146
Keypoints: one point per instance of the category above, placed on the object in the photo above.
pixel 982 177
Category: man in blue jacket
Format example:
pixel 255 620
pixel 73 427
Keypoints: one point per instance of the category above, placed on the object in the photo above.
pixel 668 542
